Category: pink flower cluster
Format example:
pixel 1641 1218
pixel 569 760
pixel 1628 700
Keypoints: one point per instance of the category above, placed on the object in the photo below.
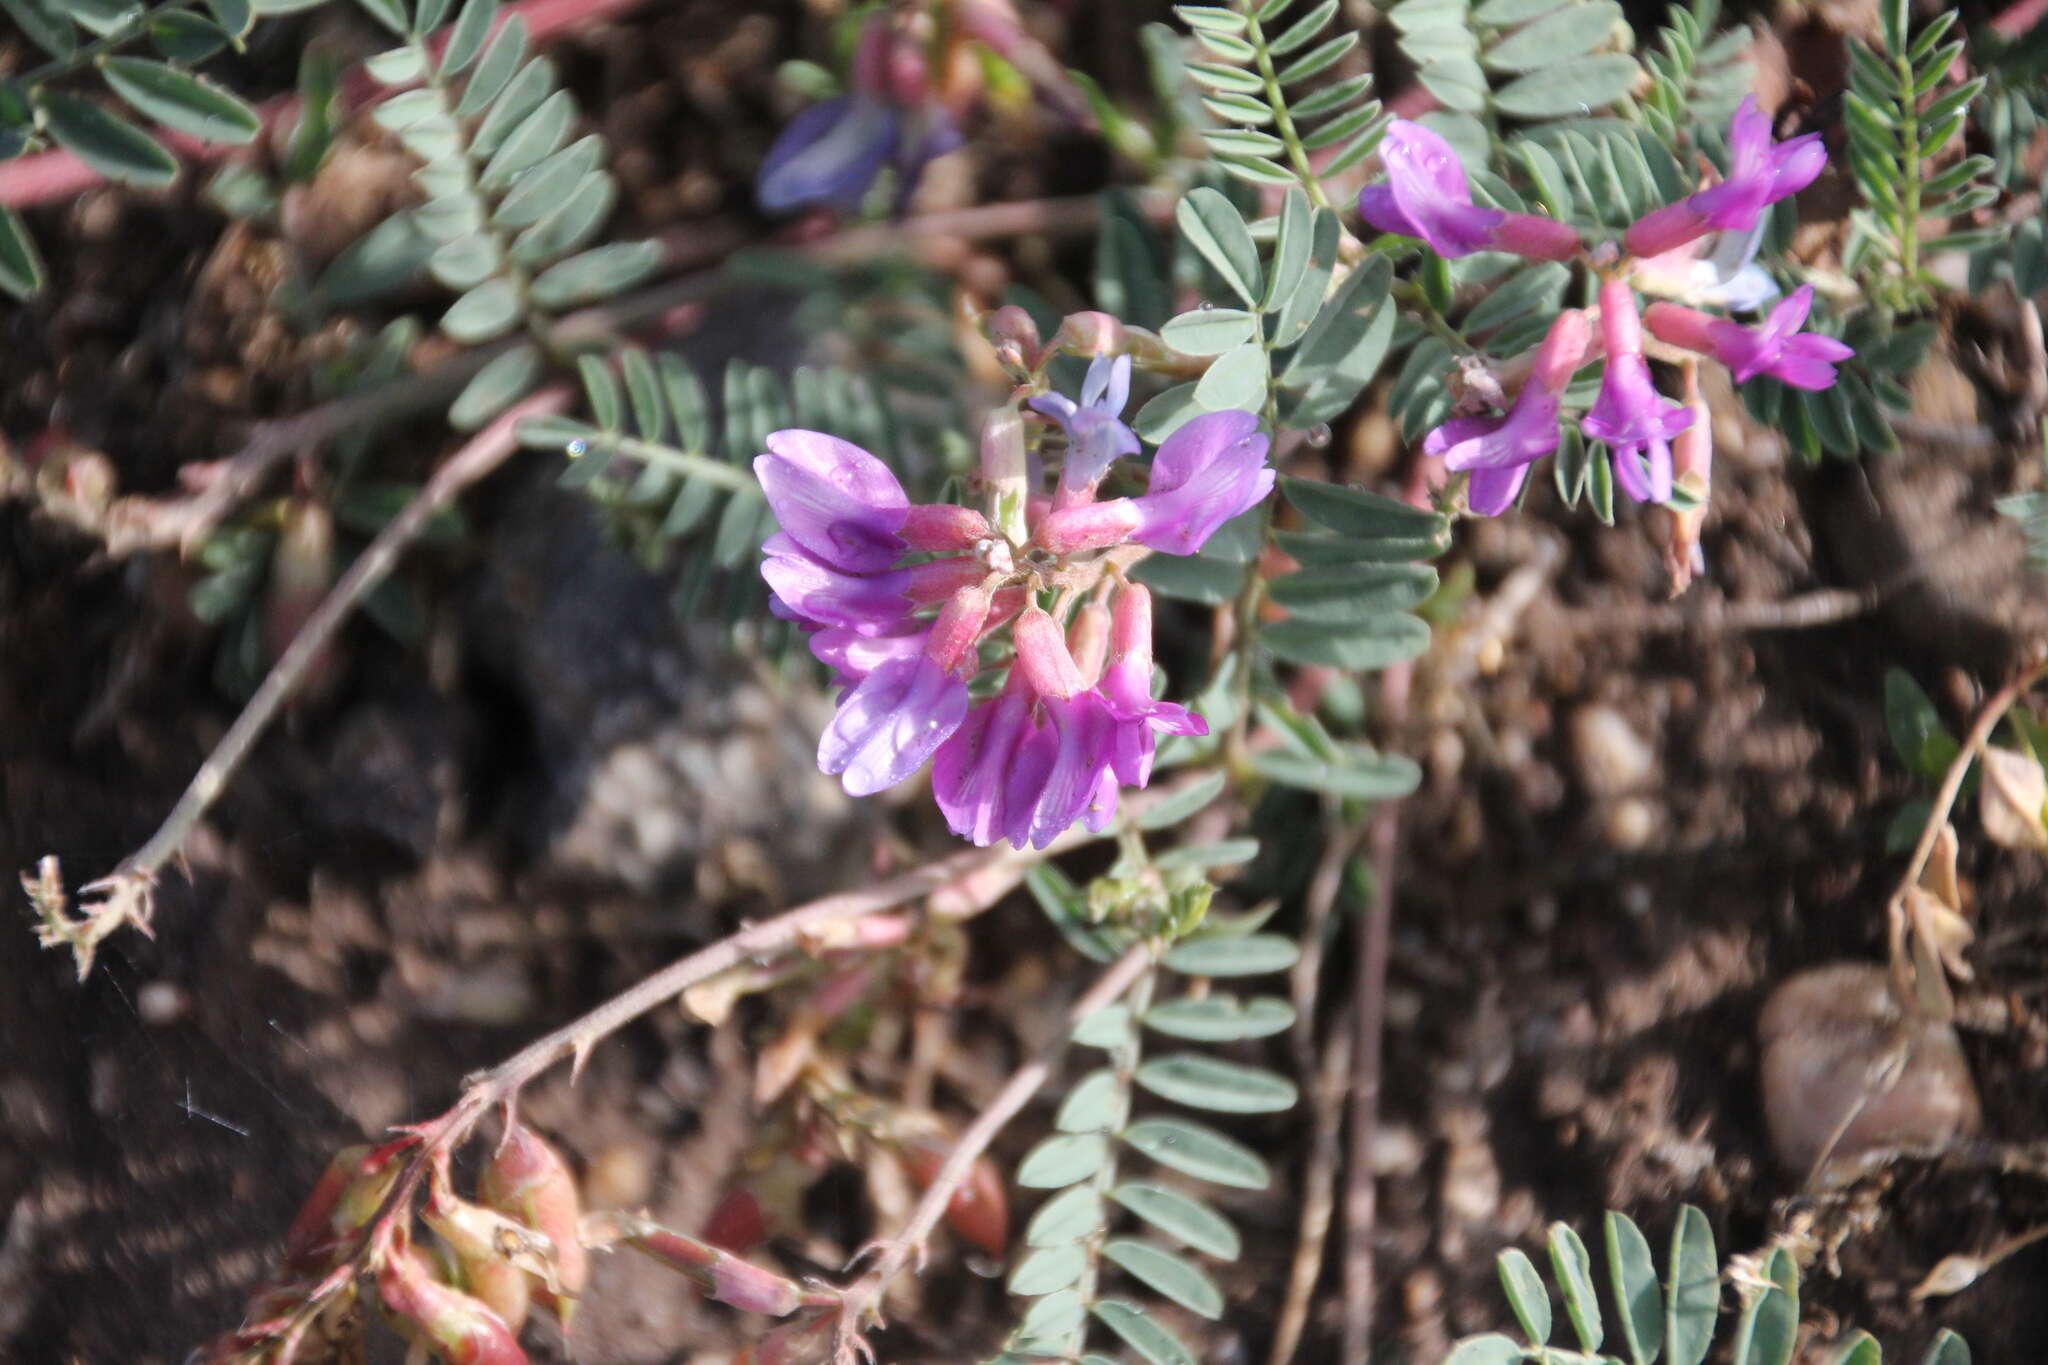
pixel 1075 720
pixel 1427 195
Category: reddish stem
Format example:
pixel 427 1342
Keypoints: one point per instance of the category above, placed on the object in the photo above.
pixel 57 175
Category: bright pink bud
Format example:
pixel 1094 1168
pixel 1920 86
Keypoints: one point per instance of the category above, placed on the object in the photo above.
pixel 1665 229
pixel 1543 239
pixel 943 526
pixel 1092 526
pixel 1042 656
pixel 938 579
pixel 1562 351
pixel 1088 640
pixel 958 627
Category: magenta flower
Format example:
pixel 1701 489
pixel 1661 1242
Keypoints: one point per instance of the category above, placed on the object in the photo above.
pixel 1630 415
pixel 1427 195
pixel 809 590
pixel 899 714
pixel 1760 173
pixel 1127 688
pixel 1210 470
pixel 1096 434
pixel 1805 360
pixel 1497 451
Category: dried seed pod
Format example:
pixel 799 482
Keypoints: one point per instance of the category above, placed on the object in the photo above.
pixel 347 1195
pixel 1849 1077
pixel 979 1210
pixel 455 1326
pixel 529 1180
pixel 497 1258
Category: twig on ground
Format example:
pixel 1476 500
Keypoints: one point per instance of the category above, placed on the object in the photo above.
pixel 1804 611
pixel 1952 781
pixel 1332 1068
pixel 1496 620
pixel 861 1300
pixel 126 894
pixel 1361 1195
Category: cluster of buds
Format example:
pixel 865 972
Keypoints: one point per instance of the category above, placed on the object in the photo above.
pixel 910 604
pixel 1702 247
pixel 462 1299
pixel 915 73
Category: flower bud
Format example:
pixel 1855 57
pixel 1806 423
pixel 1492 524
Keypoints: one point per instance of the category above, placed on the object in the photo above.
pixel 1088 640
pixel 943 526
pixel 495 1255
pixel 979 1210
pixel 1091 526
pixel 1091 334
pixel 938 579
pixel 1042 656
pixel 456 1327
pixel 1692 472
pixel 1006 469
pixel 958 626
pixel 529 1180
pixel 1014 335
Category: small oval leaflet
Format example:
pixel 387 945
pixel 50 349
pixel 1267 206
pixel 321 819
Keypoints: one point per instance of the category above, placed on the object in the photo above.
pixel 1198 1150
pixel 1180 1216
pixel 1221 1018
pixel 1063 1159
pixel 1068 1216
pixel 1141 1333
pixel 1169 1274
pixel 1204 1082
pixel 1252 955
pixel 1048 1269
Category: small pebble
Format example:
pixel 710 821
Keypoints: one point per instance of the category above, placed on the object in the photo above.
pixel 162 1003
pixel 1611 757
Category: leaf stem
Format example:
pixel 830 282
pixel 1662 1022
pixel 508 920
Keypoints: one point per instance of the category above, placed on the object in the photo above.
pixel 1276 100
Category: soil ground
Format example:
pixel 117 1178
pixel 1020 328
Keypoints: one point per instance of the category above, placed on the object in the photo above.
pixel 1636 821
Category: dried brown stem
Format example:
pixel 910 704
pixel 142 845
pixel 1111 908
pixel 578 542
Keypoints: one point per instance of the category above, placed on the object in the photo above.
pixel 126 893
pixel 863 1298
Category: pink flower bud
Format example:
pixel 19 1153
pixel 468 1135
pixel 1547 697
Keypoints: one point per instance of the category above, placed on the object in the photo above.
pixel 1130 640
pixel 1014 335
pixel 1091 526
pixel 1543 239
pixel 1042 656
pixel 1562 351
pixel 944 526
pixel 1088 640
pixel 958 627
pixel 1006 469
pixel 938 579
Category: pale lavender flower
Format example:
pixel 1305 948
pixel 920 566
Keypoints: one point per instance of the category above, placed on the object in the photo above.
pixel 1630 415
pixel 1760 173
pixel 1497 451
pixel 1805 360
pixel 1096 434
pixel 1427 195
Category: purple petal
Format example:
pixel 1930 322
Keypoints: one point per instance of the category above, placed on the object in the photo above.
pixel 1057 406
pixel 1085 730
pixel 970 770
pixel 1197 444
pixel 1493 491
pixel 1030 766
pixel 1377 205
pixel 829 154
pixel 852 656
pixel 814 591
pixel 889 725
pixel 1421 161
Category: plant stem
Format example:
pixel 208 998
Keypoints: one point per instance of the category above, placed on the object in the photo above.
pixel 1909 208
pixel 1952 780
pixel 1283 121
pixel 863 1297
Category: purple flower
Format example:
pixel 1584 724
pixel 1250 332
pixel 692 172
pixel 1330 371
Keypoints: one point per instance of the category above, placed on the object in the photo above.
pixel 1096 434
pixel 1630 415
pixel 891 723
pixel 1804 360
pixel 1497 451
pixel 1208 471
pixel 973 770
pixel 1426 195
pixel 829 154
pixel 1760 173
pixel 907 706
pixel 834 499
pixel 852 656
pixel 1127 688
pixel 808 589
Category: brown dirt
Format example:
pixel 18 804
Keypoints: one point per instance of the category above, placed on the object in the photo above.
pixel 1628 834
